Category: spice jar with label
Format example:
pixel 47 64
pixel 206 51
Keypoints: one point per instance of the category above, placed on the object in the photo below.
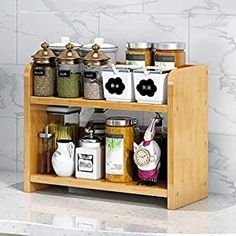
pixel 46 149
pixel 90 158
pixel 168 55
pixel 94 61
pixel 44 72
pixel 119 149
pixel 69 80
pixel 139 54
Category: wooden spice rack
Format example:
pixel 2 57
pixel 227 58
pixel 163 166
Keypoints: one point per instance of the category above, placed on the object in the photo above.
pixel 187 158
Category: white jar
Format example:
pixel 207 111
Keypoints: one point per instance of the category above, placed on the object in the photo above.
pixel 89 163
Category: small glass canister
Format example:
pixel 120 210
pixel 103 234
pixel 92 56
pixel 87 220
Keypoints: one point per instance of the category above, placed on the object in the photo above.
pixel 46 149
pixel 139 54
pixel 69 80
pixel 94 61
pixel 44 72
pixel 168 55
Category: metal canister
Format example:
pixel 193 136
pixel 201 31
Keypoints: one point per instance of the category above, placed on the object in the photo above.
pixel 69 82
pixel 119 149
pixel 94 61
pixel 44 72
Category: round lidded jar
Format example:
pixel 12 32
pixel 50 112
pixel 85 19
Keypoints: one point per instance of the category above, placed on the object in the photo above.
pixel 94 61
pixel 168 55
pixel 139 54
pixel 119 149
pixel 59 47
pixel 69 80
pixel 44 71
pixel 109 49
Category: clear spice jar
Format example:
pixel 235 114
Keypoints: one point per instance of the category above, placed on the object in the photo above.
pixel 119 149
pixel 44 72
pixel 139 54
pixel 94 61
pixel 46 150
pixel 168 55
pixel 69 81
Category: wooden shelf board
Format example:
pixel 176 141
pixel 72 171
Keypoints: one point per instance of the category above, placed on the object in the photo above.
pixel 115 105
pixel 159 190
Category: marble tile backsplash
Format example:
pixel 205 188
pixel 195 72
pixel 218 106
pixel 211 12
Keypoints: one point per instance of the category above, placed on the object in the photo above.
pixel 207 27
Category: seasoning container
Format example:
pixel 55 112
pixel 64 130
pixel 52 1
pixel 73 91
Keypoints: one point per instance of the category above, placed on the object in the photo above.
pixel 139 54
pixel 119 149
pixel 90 158
pixel 169 55
pixel 69 75
pixel 118 83
pixel 44 71
pixel 45 152
pixel 150 85
pixel 59 47
pixel 109 49
pixel 94 61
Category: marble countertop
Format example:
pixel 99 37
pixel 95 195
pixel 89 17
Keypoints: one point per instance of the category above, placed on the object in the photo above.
pixel 57 211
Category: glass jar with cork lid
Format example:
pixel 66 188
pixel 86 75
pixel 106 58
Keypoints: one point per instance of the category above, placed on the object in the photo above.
pixel 94 61
pixel 169 55
pixel 44 72
pixel 69 81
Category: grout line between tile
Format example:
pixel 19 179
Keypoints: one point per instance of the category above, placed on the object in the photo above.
pixel 17 21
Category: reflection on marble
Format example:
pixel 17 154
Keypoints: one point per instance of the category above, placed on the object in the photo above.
pixel 8 31
pixel 81 5
pixel 154 28
pixel 20 144
pixel 8 144
pixel 101 213
pixel 215 35
pixel 81 27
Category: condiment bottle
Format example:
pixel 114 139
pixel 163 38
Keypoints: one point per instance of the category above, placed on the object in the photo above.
pixel 45 152
pixel 94 61
pixel 139 54
pixel 90 158
pixel 168 55
pixel 69 82
pixel 44 71
pixel 119 149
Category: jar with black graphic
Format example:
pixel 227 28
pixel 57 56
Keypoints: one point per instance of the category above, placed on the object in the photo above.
pixel 94 61
pixel 44 72
pixel 69 82
pixel 168 55
pixel 139 54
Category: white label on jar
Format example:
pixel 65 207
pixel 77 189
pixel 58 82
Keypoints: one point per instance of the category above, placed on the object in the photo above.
pixel 165 62
pixel 114 154
pixel 136 60
pixel 85 162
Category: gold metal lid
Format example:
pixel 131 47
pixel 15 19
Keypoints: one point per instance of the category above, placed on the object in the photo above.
pixel 44 55
pixel 69 56
pixel 96 57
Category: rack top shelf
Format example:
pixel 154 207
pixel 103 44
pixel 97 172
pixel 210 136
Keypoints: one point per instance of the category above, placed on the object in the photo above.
pixel 114 105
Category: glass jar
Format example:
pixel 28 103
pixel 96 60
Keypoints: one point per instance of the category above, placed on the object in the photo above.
pixel 44 72
pixel 69 80
pixel 139 54
pixel 169 55
pixel 46 150
pixel 94 61
pixel 119 149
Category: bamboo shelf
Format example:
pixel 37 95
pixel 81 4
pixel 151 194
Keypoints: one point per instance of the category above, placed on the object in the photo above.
pixel 187 159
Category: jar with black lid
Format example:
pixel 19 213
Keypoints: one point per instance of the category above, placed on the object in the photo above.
pixel 44 72
pixel 94 61
pixel 139 54
pixel 169 55
pixel 69 82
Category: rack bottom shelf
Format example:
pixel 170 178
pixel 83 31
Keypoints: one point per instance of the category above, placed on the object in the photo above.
pixel 159 190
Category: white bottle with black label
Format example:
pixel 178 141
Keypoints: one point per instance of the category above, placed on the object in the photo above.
pixel 90 158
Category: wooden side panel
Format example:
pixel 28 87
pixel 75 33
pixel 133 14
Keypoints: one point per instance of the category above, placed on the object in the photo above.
pixel 187 135
pixel 35 119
